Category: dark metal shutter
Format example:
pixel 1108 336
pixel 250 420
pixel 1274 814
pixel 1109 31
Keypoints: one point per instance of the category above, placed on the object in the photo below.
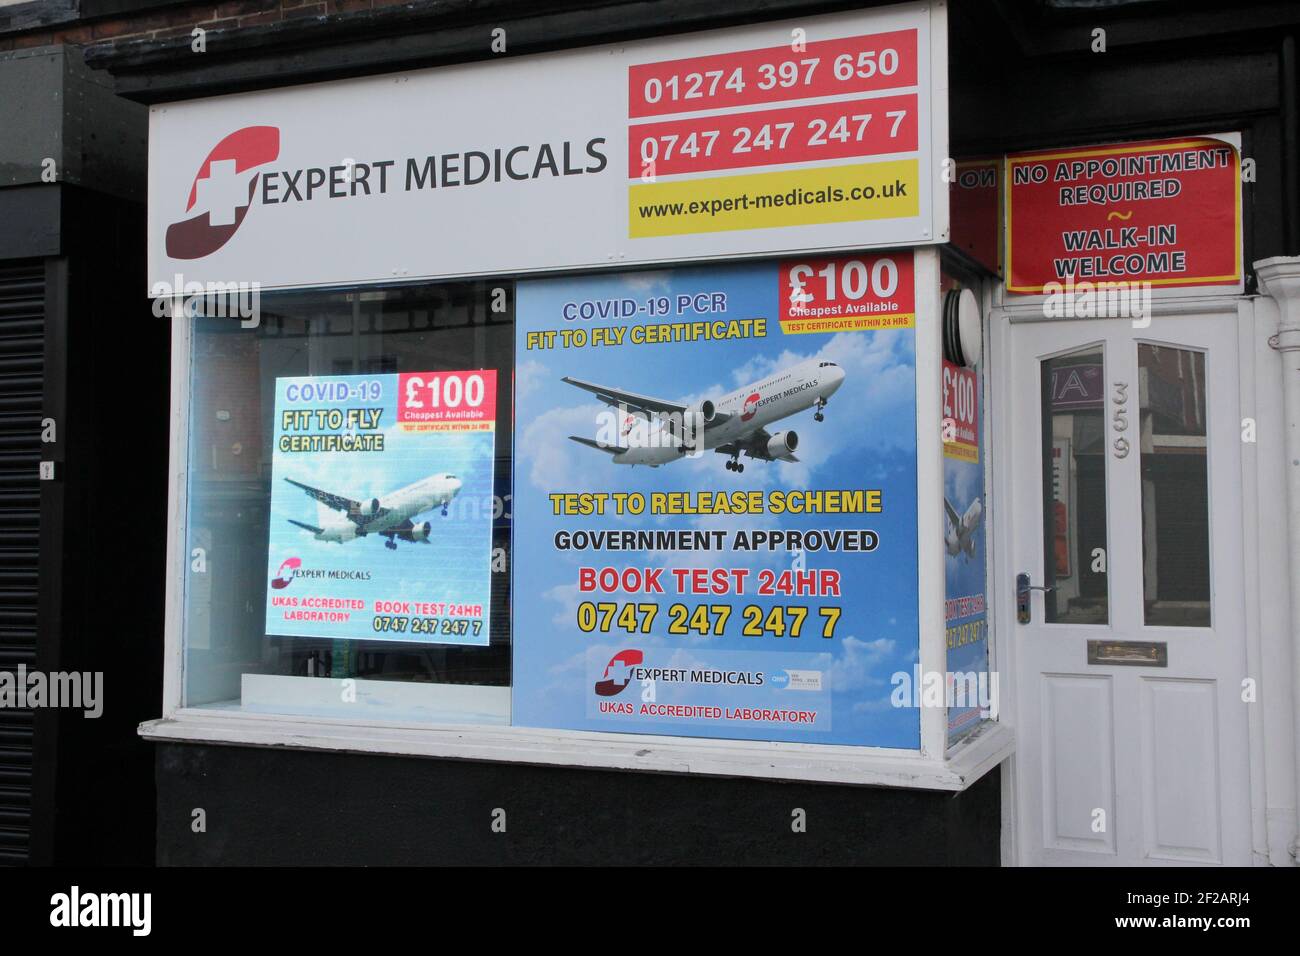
pixel 22 342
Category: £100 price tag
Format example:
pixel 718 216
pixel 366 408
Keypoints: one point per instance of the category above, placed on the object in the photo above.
pixel 851 293
pixel 447 398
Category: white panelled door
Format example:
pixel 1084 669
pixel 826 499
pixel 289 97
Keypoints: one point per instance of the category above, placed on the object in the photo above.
pixel 1124 471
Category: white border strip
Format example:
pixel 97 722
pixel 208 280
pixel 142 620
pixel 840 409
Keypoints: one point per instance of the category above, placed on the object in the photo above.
pixel 933 649
pixel 177 564
pixel 525 745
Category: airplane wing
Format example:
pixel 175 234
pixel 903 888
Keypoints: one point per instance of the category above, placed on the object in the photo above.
pixel 647 405
pixel 753 445
pixel 611 449
pixel 351 508
pixel 614 396
pixel 337 502
pixel 952 514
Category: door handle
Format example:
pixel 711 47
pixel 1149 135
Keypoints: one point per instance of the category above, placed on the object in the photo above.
pixel 1023 587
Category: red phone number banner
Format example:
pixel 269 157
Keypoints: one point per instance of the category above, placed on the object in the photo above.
pixel 1167 213
pixel 447 401
pixel 791 134
pixel 877 61
pixel 848 294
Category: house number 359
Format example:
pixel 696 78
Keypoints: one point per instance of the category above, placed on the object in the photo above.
pixel 1119 419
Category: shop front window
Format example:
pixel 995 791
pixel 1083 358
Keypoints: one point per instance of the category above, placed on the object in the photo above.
pixel 713 523
pixel 349 506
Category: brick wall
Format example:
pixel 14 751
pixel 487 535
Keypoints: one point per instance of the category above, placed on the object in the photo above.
pixel 181 20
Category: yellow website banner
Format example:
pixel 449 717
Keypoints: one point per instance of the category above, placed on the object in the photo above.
pixel 796 197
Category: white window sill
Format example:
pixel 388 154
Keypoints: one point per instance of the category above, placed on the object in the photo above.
pixel 969 761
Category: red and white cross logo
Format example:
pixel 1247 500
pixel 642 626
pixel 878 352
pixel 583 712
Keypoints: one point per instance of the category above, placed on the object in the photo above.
pixel 222 193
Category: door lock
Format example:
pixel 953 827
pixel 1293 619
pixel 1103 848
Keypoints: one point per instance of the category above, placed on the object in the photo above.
pixel 1023 587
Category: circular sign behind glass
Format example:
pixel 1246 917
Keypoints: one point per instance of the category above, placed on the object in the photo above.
pixel 968 327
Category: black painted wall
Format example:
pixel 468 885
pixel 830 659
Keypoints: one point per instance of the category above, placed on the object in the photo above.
pixel 271 807
pixel 103 557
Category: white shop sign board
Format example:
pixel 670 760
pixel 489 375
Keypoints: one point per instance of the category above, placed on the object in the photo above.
pixel 748 141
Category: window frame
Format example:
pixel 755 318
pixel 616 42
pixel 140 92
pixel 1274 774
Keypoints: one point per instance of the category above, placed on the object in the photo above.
pixel 930 767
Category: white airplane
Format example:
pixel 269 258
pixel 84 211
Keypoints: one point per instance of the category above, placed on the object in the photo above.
pixel 731 425
pixel 960 534
pixel 389 517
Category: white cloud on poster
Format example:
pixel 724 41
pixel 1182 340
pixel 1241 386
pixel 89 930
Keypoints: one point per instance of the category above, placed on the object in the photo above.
pixel 558 464
pixel 566 596
pixel 857 667
pixel 529 375
pixel 648 281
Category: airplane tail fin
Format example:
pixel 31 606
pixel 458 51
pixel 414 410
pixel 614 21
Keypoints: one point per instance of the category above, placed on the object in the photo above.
pixel 590 443
pixel 302 524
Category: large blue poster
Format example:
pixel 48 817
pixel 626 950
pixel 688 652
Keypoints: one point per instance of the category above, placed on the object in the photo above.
pixel 715 502
pixel 381 527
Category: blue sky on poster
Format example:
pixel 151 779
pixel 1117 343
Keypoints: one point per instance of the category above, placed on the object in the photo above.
pixel 963 482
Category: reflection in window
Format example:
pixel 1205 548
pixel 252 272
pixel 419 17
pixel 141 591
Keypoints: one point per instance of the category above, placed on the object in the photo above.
pixel 1175 487
pixel 1074 487
pixel 234 371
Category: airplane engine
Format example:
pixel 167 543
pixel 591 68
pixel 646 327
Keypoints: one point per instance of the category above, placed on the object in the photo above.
pixel 421 532
pixel 348 533
pixel 782 444
pixel 702 412
pixel 369 508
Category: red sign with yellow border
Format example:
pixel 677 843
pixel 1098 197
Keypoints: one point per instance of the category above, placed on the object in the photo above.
pixel 1164 212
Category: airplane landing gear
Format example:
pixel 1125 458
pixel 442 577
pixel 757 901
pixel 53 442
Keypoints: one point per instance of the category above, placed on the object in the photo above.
pixel 818 416
pixel 390 544
pixel 444 511
pixel 734 464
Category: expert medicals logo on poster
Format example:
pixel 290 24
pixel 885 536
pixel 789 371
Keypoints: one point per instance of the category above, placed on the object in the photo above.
pixel 381 507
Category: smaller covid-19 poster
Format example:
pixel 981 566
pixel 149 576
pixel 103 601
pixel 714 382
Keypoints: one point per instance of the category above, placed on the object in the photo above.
pixel 970 695
pixel 715 501
pixel 381 518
